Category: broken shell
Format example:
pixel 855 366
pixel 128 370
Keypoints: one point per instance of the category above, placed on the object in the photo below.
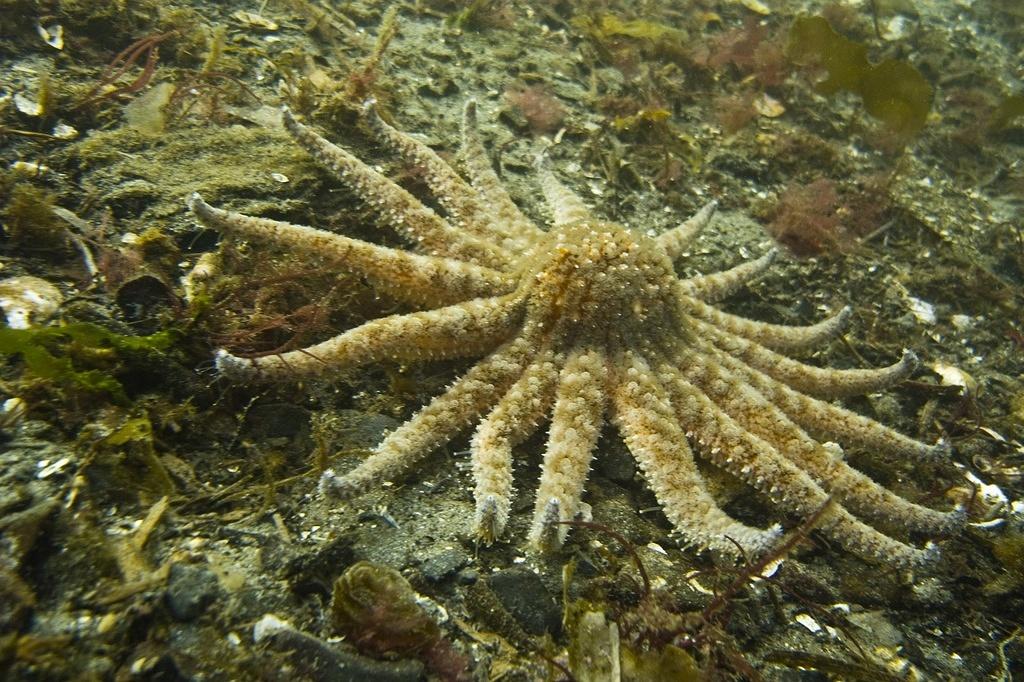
pixel 757 7
pixel 768 106
pixel 954 376
pixel 922 310
pixel 141 296
pixel 254 21
pixel 28 300
pixel 987 501
pixel 12 413
pixel 63 131
pixel 27 106
pixel 808 622
pixel 52 35
pixel 30 168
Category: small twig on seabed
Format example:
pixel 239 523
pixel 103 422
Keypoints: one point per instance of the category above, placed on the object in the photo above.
pixel 1005 674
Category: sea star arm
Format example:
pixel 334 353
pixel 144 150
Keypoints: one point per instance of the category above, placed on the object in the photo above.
pixel 644 416
pixel 756 462
pixel 827 421
pixel 486 182
pixel 716 286
pixel 458 330
pixel 400 210
pixel 776 337
pixel 565 206
pixel 460 200
pixel 714 373
pixel 425 280
pixel 678 238
pixel 575 425
pixel 512 420
pixel 815 381
pixel 437 423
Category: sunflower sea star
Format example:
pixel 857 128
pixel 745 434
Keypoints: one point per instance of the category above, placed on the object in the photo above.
pixel 582 322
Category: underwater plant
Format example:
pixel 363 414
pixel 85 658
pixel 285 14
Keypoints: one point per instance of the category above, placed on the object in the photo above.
pixel 892 91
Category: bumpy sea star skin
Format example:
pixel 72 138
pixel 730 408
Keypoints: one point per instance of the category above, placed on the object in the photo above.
pixel 579 323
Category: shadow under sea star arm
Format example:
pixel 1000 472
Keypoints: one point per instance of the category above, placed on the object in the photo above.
pixel 512 420
pixel 459 330
pixel 716 286
pixel 426 280
pixel 777 337
pixel 732 448
pixel 483 178
pixel 678 238
pixel 437 423
pixel 716 375
pixel 815 381
pixel 395 207
pixel 643 414
pixel 575 426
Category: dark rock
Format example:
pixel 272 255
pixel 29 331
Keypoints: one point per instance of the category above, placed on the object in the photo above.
pixel 468 576
pixel 277 420
pixel 440 565
pixel 524 595
pixel 190 590
pixel 352 429
pixel 315 572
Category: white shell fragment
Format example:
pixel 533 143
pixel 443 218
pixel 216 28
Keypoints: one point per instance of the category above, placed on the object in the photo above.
pixel 922 310
pixel 251 20
pixel 27 106
pixel 768 106
pixel 988 494
pixel 268 626
pixel 808 622
pixel 757 7
pixel 52 35
pixel 30 168
pixel 12 413
pixel 28 300
pixel 63 131
pixel 954 376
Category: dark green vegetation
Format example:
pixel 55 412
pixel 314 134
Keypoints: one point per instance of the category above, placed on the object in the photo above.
pixel 893 91
pixel 150 514
pixel 51 354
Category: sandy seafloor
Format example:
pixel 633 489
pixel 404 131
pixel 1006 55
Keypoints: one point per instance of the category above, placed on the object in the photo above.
pixel 158 523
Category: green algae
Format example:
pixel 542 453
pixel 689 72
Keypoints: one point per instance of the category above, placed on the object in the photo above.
pixel 1007 111
pixel 893 91
pixel 29 219
pixel 130 453
pixel 58 354
pixel 609 25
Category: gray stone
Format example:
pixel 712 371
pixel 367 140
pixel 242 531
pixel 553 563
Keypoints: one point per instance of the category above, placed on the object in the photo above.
pixel 190 589
pixel 442 564
pixel 524 595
